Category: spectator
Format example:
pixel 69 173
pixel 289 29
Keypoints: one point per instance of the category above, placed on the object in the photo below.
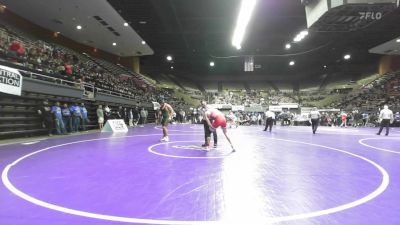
pixel 397 119
pixel 76 116
pixel 130 117
pixel 365 118
pixel 84 116
pixel 16 49
pixel 120 113
pixel 142 117
pixel 100 116
pixel 126 116
pixel 47 120
pixel 66 113
pixel 157 116
pixel 68 69
pixel 344 119
pixel 107 113
pixel 136 116
pixel 58 119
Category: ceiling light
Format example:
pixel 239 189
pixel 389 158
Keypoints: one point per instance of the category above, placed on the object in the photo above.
pixel 304 33
pixel 212 64
pixel 291 63
pixel 142 22
pixel 172 67
pixel 347 57
pixel 114 44
pixel 169 58
pixel 398 40
pixel 288 46
pixel 300 36
pixel 143 42
pixel 78 27
pixel 325 66
pixel 126 24
pixel 297 38
pixel 246 9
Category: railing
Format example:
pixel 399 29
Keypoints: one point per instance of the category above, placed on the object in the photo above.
pixel 116 94
pixel 85 87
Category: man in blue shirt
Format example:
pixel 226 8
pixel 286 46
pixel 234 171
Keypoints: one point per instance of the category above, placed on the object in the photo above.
pixel 85 119
pixel 76 116
pixel 67 118
pixel 58 120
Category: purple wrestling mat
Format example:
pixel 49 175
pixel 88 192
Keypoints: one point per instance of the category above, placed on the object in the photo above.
pixel 339 176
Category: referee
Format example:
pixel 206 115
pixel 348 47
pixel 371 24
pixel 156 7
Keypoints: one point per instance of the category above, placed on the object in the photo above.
pixel 386 118
pixel 270 117
pixel 314 117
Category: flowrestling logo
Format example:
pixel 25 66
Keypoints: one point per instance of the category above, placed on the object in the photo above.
pixel 10 81
pixel 370 15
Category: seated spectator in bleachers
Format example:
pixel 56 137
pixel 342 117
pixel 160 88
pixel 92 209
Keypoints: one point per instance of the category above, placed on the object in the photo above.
pixel 58 119
pixel 67 118
pixel 16 49
pixel 47 118
pixel 68 69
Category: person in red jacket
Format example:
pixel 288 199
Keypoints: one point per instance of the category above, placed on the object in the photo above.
pixel 68 69
pixel 16 48
pixel 344 119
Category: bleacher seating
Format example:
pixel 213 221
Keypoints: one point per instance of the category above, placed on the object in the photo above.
pixel 44 61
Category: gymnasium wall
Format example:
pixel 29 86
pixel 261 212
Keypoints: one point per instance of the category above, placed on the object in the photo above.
pixel 389 63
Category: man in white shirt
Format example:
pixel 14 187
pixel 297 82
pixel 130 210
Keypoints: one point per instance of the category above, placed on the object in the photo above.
pixel 270 117
pixel 386 118
pixel 314 117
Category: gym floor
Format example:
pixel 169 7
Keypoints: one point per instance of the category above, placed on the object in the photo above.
pixel 289 176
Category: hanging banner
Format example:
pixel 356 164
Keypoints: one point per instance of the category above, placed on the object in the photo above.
pixel 10 81
pixel 236 108
pixel 275 108
pixel 156 105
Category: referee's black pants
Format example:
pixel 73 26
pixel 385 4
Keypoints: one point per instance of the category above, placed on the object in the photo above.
pixel 384 123
pixel 314 125
pixel 268 124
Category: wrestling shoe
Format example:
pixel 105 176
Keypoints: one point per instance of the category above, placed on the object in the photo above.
pixel 165 139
